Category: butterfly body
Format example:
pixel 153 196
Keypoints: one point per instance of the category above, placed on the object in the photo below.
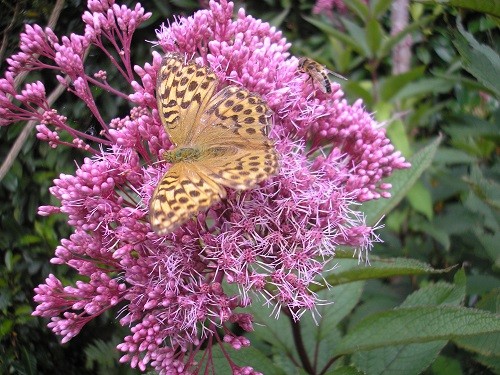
pixel 182 154
pixel 219 137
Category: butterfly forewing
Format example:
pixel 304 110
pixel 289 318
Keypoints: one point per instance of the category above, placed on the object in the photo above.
pixel 237 121
pixel 183 91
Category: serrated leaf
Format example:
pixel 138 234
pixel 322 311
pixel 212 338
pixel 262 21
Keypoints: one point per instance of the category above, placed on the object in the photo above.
pixel 101 352
pixel 410 359
pixel 440 293
pixel 381 268
pixel 275 331
pixel 401 181
pixel 321 333
pixel 417 325
pixel 468 83
pixel 478 59
pixel 487 344
pixel 288 365
pixel 490 6
pixel 493 363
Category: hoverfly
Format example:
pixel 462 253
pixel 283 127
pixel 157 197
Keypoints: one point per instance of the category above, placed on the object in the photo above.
pixel 318 73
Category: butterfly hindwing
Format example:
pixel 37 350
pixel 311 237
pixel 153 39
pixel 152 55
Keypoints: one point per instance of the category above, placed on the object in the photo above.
pixel 180 194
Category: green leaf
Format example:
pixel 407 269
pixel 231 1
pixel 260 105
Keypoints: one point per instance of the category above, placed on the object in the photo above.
pixel 287 364
pixel 8 259
pixel 435 231
pixel 481 284
pixel 359 91
pixel 359 8
pixel 277 21
pixel 380 7
pixel 275 331
pixel 490 301
pixel 492 363
pixel 417 325
pixel 29 362
pixel 321 333
pixel 483 6
pixel 420 199
pixel 486 344
pixel 490 242
pixel 391 85
pixel 6 326
pixel 329 30
pixel 401 181
pixel 450 156
pixel 396 131
pixel 243 357
pixel 469 83
pixel 410 359
pixel 478 59
pixel 439 293
pixel 102 353
pixel 424 87
pixel 446 366
pixel 345 370
pixel 374 36
pixel 23 310
pixel 344 297
pixel 359 36
pixel 380 268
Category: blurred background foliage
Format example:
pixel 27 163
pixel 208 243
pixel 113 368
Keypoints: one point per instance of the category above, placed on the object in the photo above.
pixel 440 254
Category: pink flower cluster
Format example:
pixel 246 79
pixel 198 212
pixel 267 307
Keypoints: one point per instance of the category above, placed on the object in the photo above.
pixel 327 7
pixel 273 241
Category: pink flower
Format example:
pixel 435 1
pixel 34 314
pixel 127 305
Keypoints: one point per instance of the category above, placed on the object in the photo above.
pixel 282 234
pixel 326 7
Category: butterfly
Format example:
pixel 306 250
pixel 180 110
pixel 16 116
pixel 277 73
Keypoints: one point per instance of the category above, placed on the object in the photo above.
pixel 219 137
pixel 318 73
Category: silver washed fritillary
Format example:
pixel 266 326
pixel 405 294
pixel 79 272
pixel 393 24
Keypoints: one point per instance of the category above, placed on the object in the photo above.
pixel 219 139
